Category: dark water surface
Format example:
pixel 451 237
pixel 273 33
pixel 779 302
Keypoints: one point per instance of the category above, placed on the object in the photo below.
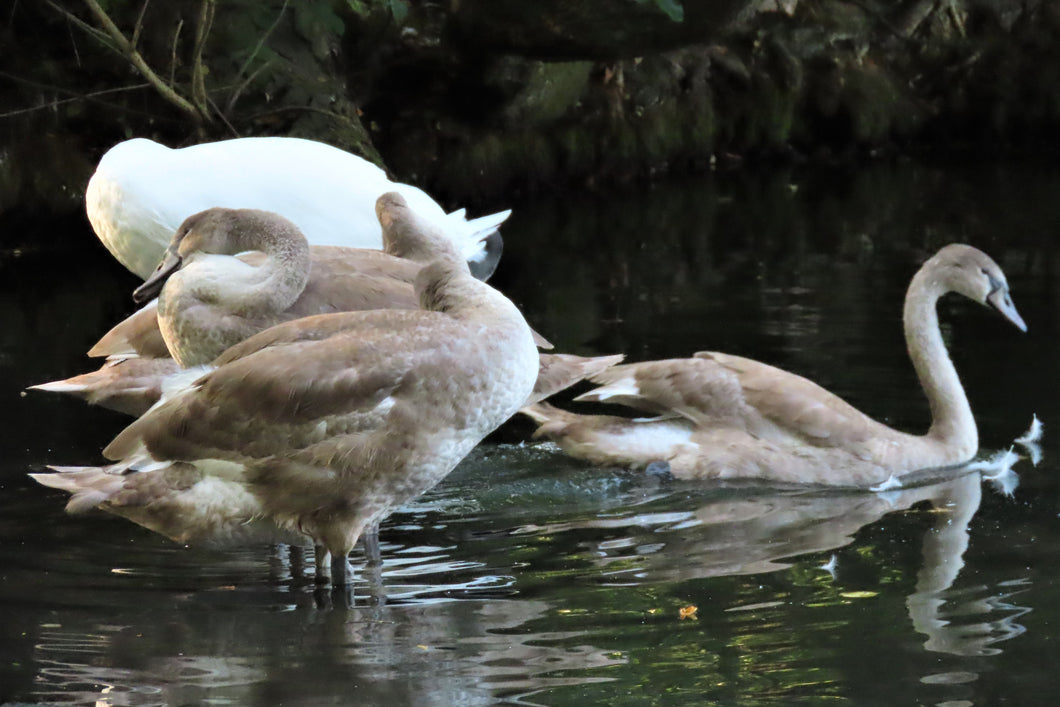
pixel 528 578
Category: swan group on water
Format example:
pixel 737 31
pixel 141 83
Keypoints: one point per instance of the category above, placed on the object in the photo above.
pixel 317 346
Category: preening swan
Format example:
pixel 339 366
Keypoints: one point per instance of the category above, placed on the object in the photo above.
pixel 320 426
pixel 214 293
pixel 722 416
pixel 209 300
pixel 142 191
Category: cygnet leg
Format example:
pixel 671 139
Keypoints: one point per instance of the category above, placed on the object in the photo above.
pixel 370 538
pixel 322 559
pixel 341 571
pixel 373 568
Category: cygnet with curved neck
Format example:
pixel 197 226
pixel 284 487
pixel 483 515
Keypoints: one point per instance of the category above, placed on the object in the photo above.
pixel 723 416
pixel 208 301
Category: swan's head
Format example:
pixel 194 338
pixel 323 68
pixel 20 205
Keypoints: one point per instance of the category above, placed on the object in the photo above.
pixel 974 274
pixel 407 235
pixel 219 231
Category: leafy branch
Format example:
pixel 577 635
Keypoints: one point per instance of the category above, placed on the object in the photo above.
pixel 194 100
pixel 196 108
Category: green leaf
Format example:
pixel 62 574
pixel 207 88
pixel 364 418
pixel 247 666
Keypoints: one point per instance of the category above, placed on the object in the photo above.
pixel 399 9
pixel 359 7
pixel 673 8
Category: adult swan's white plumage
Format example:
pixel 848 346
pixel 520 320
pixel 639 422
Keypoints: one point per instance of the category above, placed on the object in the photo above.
pixel 723 416
pixel 320 426
pixel 142 191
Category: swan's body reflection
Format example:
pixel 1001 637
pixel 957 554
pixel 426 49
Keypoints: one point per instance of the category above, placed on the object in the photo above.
pixel 488 648
pixel 746 531
pixel 425 654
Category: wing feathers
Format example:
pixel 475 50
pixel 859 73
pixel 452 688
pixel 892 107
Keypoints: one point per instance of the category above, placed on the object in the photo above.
pixel 719 390
pixel 290 386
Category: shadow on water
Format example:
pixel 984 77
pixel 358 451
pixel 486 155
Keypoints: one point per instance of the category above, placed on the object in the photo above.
pixel 528 578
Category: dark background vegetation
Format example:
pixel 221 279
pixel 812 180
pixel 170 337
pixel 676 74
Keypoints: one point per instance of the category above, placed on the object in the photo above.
pixel 487 99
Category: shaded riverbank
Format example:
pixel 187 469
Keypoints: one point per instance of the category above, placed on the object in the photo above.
pixel 447 96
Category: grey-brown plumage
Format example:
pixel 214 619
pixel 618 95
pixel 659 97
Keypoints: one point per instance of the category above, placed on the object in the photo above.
pixel 214 295
pixel 723 416
pixel 126 383
pixel 319 426
pixel 558 372
pixel 208 300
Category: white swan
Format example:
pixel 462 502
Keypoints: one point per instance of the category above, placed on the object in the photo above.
pixel 142 191
pixel 320 426
pixel 722 416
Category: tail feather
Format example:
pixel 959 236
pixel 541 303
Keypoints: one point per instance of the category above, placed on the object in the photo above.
pixel 557 372
pixel 128 384
pixel 70 385
pixel 182 381
pixel 136 334
pixel 478 240
pixel 539 412
pixel 90 486
pixel 613 374
pixel 617 384
pixel 551 420
pixel 479 228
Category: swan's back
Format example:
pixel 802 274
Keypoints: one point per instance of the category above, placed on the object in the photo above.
pixel 714 389
pixel 142 191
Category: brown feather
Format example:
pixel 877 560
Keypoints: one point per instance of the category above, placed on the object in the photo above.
pixel 741 418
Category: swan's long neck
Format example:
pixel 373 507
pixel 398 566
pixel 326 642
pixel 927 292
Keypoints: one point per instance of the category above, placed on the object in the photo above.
pixel 447 286
pixel 274 285
pixel 953 429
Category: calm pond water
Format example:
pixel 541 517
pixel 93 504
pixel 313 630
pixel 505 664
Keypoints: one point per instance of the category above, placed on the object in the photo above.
pixel 528 578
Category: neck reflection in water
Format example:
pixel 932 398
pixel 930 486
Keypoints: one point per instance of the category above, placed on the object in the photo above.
pixel 744 530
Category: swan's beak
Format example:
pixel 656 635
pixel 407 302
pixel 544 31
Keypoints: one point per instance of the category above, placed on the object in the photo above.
pixel 1000 300
pixel 153 285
